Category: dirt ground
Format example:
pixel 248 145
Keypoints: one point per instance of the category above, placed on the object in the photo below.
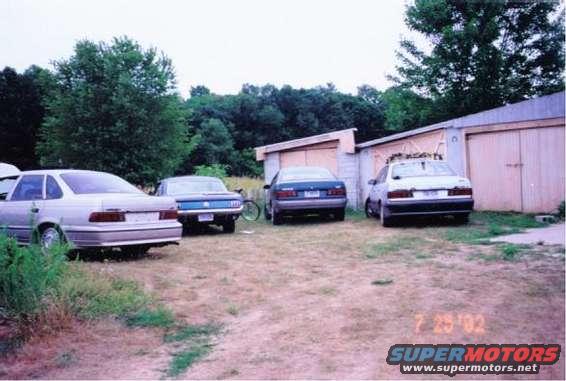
pixel 316 299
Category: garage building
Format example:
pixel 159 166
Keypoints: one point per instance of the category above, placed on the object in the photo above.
pixel 514 155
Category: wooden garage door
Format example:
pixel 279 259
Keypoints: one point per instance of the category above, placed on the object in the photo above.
pixel 494 169
pixel 320 155
pixel 519 170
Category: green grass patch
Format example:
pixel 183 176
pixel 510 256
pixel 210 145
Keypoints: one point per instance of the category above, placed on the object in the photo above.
pixel 485 225
pixel 195 343
pixel 191 332
pixel 509 251
pixel 158 317
pixel 92 297
pixel 184 359
pixel 392 246
pixel 355 215
pixel 382 282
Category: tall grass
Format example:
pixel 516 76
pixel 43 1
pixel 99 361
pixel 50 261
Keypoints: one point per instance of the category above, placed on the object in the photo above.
pixel 29 278
pixel 42 292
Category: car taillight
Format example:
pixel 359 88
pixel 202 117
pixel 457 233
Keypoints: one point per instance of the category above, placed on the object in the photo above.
pixel 285 193
pixel 460 192
pixel 400 193
pixel 168 214
pixel 336 192
pixel 107 217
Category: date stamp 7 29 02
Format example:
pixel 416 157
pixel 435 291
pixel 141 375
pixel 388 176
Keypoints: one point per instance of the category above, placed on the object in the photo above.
pixel 445 323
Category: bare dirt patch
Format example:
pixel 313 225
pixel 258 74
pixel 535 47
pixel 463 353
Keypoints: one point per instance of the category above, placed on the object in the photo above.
pixel 307 300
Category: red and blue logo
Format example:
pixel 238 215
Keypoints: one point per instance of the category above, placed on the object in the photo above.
pixel 452 359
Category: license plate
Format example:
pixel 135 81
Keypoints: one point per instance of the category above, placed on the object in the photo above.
pixel 205 217
pixel 142 217
pixel 427 194
pixel 312 194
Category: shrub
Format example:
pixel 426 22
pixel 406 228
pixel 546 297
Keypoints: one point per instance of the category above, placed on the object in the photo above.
pixel 28 278
pixel 214 170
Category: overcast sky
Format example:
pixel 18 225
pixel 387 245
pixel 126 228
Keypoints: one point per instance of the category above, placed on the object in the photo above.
pixel 220 43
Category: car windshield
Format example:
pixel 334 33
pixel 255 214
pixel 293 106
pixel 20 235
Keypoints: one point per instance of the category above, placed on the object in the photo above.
pixel 97 182
pixel 176 188
pixel 305 173
pixel 421 168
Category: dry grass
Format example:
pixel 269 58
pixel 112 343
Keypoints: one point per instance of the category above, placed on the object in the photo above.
pixel 304 300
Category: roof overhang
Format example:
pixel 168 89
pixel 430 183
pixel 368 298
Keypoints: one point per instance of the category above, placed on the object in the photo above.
pixel 346 138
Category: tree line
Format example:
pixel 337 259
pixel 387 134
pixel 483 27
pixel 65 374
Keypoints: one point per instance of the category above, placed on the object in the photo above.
pixel 115 106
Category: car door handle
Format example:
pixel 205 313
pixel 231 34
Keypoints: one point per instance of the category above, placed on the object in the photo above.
pixel 35 210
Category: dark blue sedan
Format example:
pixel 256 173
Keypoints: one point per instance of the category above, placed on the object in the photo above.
pixel 203 200
pixel 304 190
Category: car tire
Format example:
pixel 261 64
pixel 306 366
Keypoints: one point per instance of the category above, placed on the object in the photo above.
pixel 462 219
pixel 367 209
pixel 229 226
pixel 266 213
pixel 386 221
pixel 340 214
pixel 48 236
pixel 276 218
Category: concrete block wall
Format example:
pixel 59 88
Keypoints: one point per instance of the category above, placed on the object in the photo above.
pixel 348 172
pixel 270 166
pixel 366 171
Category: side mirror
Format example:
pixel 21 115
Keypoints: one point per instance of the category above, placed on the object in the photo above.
pixel 266 186
pixel 372 182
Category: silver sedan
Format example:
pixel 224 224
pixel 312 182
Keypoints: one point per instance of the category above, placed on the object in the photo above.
pixel 85 208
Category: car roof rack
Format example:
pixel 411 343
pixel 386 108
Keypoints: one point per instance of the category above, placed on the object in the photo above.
pixel 401 156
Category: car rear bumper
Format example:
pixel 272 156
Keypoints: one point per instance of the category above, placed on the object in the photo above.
pixel 429 207
pixel 219 212
pixel 84 237
pixel 309 204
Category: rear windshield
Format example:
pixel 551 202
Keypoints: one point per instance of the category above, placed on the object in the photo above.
pixel 305 173
pixel 421 168
pixel 176 188
pixel 97 182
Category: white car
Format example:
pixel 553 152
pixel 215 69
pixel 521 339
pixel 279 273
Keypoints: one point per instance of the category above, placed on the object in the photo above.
pixel 85 208
pixel 420 186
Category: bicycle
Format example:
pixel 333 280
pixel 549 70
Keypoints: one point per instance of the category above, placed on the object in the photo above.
pixel 251 211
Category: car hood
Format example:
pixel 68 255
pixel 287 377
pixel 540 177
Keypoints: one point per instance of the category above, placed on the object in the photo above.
pixel 208 196
pixel 430 182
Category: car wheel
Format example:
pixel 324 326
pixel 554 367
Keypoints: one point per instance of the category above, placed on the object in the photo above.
pixel 276 218
pixel 462 219
pixel 386 221
pixel 369 212
pixel 339 214
pixel 266 212
pixel 229 226
pixel 50 237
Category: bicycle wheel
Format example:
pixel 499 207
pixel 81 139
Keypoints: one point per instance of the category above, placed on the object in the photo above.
pixel 251 211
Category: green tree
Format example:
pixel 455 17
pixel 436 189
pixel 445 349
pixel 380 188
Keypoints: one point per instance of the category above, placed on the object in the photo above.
pixel 21 114
pixel 115 109
pixel 484 53
pixel 215 145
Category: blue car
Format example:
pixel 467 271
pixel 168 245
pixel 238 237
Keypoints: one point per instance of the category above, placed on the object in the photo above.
pixel 203 200
pixel 304 190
